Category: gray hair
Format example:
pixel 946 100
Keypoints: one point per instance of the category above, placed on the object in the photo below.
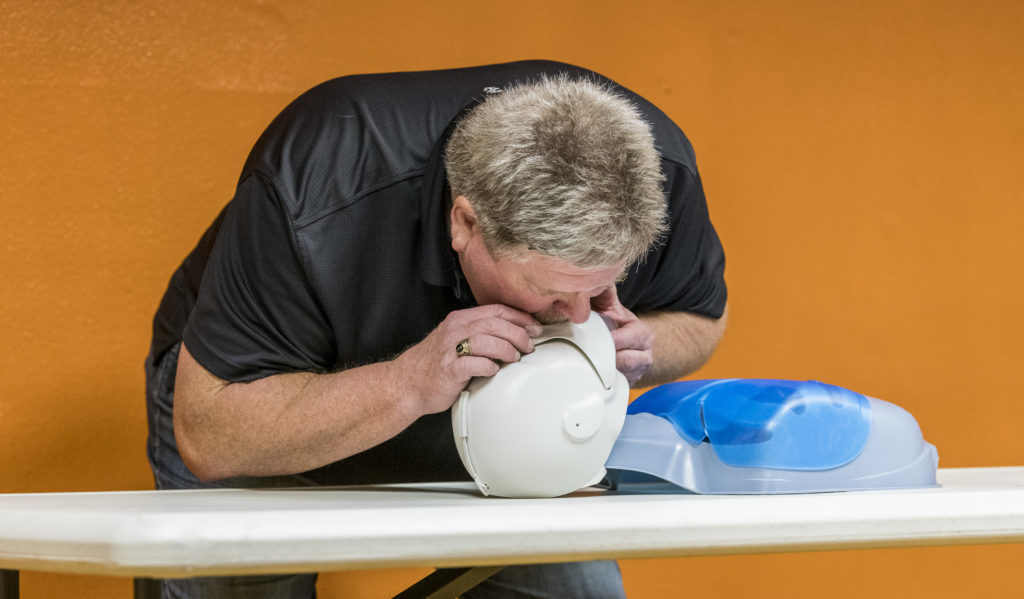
pixel 563 166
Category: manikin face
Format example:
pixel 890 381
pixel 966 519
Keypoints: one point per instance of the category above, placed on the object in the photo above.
pixel 550 289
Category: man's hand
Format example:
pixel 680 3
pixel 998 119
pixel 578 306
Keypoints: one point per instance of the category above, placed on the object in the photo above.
pixel 634 340
pixel 435 373
pixel 661 347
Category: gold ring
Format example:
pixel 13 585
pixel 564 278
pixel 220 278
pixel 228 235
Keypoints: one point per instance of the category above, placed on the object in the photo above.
pixel 462 348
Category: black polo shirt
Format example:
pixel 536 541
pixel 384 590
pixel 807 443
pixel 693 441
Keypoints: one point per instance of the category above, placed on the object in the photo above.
pixel 334 251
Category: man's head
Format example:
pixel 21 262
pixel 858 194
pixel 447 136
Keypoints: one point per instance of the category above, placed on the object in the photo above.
pixel 559 185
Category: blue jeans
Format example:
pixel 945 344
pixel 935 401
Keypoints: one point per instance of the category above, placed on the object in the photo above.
pixel 583 580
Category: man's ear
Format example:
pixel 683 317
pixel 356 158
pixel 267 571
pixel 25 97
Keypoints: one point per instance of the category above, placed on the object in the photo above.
pixel 464 225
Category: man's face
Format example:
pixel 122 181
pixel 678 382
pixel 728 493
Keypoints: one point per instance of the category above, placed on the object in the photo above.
pixel 550 289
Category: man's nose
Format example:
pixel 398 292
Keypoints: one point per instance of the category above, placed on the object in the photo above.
pixel 578 308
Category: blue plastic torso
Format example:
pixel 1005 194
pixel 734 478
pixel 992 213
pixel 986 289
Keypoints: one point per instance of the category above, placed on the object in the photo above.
pixel 761 423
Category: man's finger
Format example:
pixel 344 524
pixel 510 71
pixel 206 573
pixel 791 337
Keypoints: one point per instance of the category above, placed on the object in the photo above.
pixel 514 334
pixel 471 366
pixel 633 364
pixel 495 348
pixel 634 335
pixel 605 300
pixel 510 314
pixel 607 305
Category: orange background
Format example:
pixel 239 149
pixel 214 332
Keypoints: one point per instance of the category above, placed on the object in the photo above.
pixel 862 162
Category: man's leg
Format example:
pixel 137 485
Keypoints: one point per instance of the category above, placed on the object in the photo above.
pixel 294 586
pixel 579 580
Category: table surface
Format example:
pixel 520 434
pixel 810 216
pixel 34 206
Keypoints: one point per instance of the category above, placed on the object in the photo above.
pixel 203 532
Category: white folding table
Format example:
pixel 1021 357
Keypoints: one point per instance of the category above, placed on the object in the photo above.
pixel 167 534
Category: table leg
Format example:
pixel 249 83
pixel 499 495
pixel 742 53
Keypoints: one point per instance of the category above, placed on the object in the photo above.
pixel 9 584
pixel 146 588
pixel 448 583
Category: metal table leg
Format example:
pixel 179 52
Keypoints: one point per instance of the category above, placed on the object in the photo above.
pixel 9 584
pixel 146 588
pixel 448 583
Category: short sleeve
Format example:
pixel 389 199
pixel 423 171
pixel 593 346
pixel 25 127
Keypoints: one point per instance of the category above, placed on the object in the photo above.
pixel 256 313
pixel 686 272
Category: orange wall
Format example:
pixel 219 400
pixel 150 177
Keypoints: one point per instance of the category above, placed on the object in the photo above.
pixel 862 162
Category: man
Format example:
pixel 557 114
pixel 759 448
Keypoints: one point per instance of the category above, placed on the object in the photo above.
pixel 393 236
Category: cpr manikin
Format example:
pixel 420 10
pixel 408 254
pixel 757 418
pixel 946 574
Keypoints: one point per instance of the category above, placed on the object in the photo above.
pixel 544 426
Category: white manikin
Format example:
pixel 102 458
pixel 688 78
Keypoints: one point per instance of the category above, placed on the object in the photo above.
pixel 544 426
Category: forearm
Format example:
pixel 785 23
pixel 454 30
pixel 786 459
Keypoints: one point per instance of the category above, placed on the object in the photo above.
pixel 683 342
pixel 285 423
pixel 290 423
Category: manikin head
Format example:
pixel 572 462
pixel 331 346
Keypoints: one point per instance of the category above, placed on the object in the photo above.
pixel 544 426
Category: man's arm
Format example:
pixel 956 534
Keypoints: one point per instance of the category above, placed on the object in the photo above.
pixel 683 342
pixel 294 422
pixel 284 423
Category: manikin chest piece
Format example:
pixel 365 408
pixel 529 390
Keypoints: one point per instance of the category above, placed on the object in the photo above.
pixel 544 426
